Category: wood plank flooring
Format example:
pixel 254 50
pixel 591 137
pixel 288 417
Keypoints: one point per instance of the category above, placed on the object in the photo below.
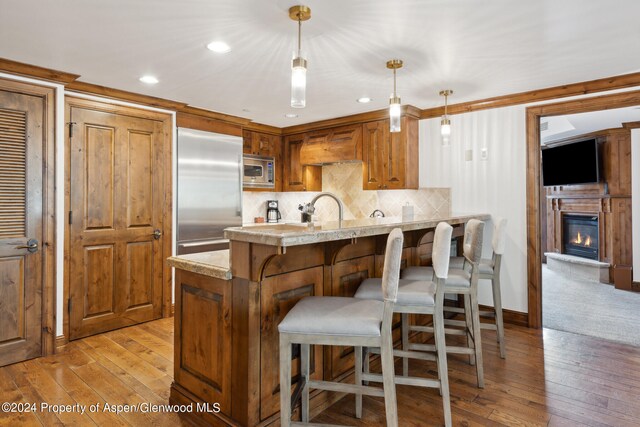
pixel 549 378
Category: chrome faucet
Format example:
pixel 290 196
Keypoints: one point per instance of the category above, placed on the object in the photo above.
pixel 310 208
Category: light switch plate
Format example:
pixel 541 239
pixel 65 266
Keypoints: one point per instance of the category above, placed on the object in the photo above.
pixel 484 154
pixel 468 155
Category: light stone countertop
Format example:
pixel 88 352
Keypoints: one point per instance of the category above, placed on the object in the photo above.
pixel 285 235
pixel 212 264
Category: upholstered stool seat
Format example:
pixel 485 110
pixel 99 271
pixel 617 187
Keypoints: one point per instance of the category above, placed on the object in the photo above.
pixel 410 292
pixel 334 316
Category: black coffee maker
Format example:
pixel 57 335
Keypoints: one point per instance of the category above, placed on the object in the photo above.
pixel 273 214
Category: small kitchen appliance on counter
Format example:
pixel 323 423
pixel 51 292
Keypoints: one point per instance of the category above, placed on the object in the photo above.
pixel 273 214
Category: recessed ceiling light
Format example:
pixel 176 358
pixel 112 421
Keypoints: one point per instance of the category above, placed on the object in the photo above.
pixel 364 100
pixel 151 80
pixel 291 116
pixel 218 47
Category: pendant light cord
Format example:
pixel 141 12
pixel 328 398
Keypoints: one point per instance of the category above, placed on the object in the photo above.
pixel 394 84
pixel 299 37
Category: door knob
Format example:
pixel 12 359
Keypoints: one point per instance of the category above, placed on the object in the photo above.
pixel 31 246
pixel 157 234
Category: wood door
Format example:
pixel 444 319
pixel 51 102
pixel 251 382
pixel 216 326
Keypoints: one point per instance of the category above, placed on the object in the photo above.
pixel 346 277
pixel 116 219
pixel 22 137
pixel 375 135
pixel 278 295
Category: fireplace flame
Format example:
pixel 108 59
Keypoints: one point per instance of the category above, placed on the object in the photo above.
pixel 579 240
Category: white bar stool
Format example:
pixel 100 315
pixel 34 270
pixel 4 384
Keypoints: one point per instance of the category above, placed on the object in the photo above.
pixel 419 297
pixel 345 322
pixel 460 282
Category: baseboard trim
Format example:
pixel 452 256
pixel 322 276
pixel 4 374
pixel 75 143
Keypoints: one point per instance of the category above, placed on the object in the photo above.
pixel 511 316
pixel 61 341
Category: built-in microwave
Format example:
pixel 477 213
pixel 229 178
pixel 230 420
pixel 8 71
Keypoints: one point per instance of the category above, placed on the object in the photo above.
pixel 259 171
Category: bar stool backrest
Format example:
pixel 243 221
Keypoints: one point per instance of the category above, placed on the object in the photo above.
pixel 441 250
pixel 499 235
pixel 392 261
pixel 472 246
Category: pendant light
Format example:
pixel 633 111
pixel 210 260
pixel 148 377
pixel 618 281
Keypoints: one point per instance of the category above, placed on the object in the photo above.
pixel 394 100
pixel 445 123
pixel 299 64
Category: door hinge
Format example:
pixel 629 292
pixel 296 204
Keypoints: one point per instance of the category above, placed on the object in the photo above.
pixel 70 217
pixel 69 306
pixel 71 129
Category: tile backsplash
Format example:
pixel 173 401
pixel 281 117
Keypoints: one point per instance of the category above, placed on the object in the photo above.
pixel 345 181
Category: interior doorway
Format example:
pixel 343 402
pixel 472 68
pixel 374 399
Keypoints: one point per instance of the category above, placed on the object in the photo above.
pixel 119 216
pixel 27 264
pixel 536 195
pixel 587 208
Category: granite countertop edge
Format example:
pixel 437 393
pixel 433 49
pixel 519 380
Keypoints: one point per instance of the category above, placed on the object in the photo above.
pixel 217 266
pixel 252 234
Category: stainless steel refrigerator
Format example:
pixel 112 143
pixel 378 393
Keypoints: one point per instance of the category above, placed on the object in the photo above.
pixel 209 189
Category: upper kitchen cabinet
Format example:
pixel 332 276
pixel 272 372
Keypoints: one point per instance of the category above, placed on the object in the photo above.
pixel 260 144
pixel 268 145
pixel 390 160
pixel 297 176
pixel 332 145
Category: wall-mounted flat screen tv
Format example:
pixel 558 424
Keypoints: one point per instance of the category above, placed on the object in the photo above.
pixel 571 163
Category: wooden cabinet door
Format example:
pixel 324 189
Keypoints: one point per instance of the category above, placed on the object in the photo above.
pixel 333 145
pixel 22 130
pixel 401 156
pixel 247 142
pixel 346 276
pixel 375 135
pixel 265 144
pixel 293 174
pixel 298 177
pixel 278 295
pixel 202 354
pixel 116 202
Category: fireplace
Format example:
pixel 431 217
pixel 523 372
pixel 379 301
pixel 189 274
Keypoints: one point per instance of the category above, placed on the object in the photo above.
pixel 580 235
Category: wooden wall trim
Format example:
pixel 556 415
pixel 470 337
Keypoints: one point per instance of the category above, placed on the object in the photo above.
pixel 26 70
pixel 49 265
pixel 370 116
pixel 631 125
pixel 533 183
pixel 582 88
pixel 122 95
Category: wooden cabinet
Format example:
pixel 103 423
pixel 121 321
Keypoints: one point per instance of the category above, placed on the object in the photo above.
pixel 202 348
pixel 264 144
pixel 390 160
pixel 332 145
pixel 260 144
pixel 278 295
pixel 297 176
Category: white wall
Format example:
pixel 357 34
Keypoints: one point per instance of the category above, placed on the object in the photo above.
pixel 635 202
pixel 496 186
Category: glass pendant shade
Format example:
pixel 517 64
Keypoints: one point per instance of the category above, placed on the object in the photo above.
pixel 394 114
pixel 445 130
pixel 299 83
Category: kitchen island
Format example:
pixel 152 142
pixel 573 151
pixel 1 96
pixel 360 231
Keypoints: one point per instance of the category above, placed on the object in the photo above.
pixel 229 304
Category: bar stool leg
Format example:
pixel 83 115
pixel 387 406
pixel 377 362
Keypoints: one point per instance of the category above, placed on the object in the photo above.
pixel 405 343
pixel 443 374
pixel 285 382
pixel 304 374
pixel 367 356
pixel 475 311
pixel 497 304
pixel 358 356
pixel 388 384
pixel 469 323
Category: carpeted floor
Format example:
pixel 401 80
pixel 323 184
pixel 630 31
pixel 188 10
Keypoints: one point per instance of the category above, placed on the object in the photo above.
pixel 590 308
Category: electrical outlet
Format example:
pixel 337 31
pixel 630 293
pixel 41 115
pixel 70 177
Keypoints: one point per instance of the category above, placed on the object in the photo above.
pixel 484 154
pixel 468 155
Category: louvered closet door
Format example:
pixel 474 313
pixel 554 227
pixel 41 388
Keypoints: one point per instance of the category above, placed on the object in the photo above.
pixel 21 145
pixel 116 175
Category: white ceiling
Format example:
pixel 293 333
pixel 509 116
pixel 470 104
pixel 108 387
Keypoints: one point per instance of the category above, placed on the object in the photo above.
pixel 477 48
pixel 559 127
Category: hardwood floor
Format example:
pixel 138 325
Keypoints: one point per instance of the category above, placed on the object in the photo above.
pixel 549 378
